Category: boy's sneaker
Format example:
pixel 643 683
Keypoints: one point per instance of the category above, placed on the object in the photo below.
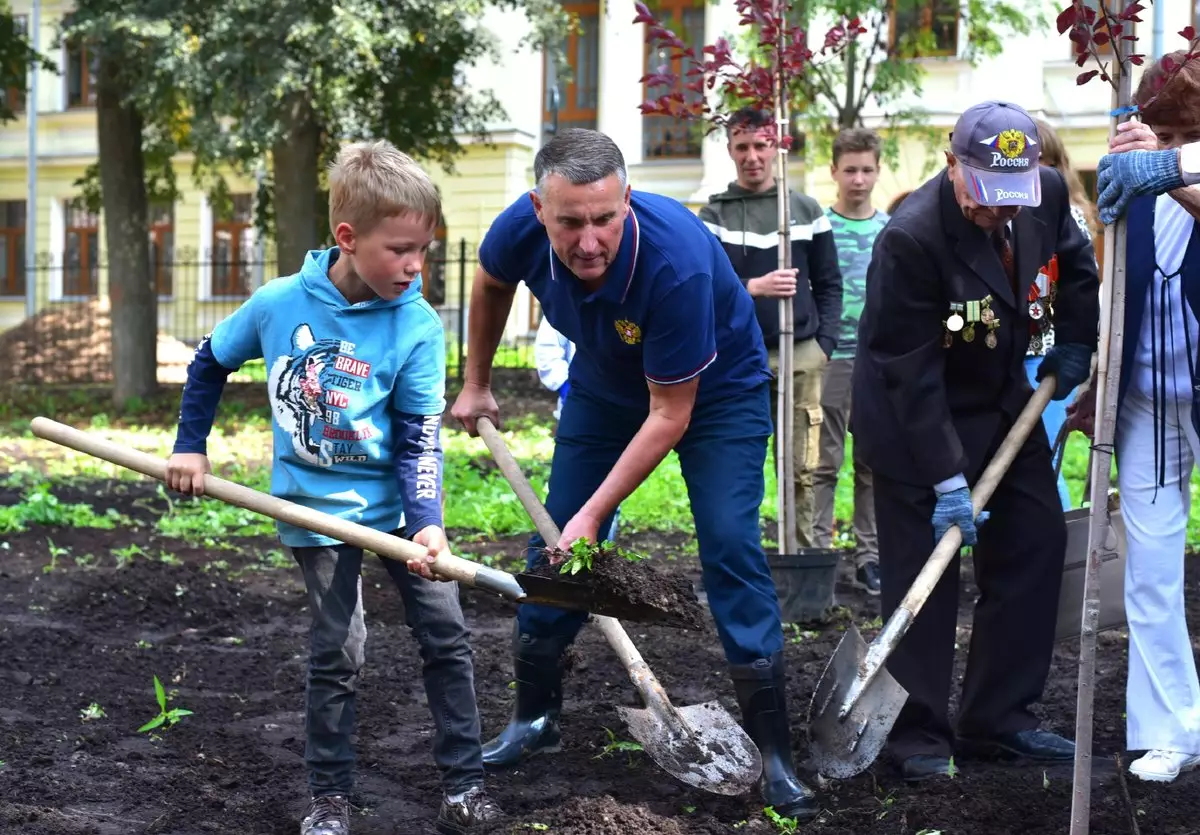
pixel 471 812
pixel 1163 766
pixel 867 577
pixel 327 815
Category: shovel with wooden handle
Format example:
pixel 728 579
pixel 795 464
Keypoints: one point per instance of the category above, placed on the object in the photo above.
pixel 856 701
pixel 701 745
pixel 448 566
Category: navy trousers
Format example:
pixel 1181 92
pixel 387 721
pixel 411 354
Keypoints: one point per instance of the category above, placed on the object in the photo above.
pixel 722 456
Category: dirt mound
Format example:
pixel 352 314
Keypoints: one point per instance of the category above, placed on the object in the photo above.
pixel 605 816
pixel 72 343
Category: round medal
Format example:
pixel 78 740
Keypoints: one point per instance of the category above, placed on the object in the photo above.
pixel 948 340
pixel 987 316
pixel 1036 311
pixel 955 323
pixel 969 334
pixel 990 340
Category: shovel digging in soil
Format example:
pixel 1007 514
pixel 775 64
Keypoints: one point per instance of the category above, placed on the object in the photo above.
pixel 856 701
pixel 700 745
pixel 523 589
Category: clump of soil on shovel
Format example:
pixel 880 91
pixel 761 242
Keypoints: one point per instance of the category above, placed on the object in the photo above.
pixel 620 577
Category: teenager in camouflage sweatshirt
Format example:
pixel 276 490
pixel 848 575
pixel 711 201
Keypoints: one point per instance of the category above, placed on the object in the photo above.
pixel 856 223
pixel 746 219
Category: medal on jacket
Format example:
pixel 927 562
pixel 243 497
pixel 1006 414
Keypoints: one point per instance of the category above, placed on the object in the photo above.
pixel 955 323
pixel 990 339
pixel 968 333
pixel 1036 311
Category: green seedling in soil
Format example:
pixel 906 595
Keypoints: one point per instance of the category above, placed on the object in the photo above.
pixel 1045 782
pixel 687 810
pixel 85 560
pixel 144 644
pixel 952 769
pixel 583 554
pixel 41 507
pixel 802 634
pixel 619 746
pixel 92 712
pixel 787 826
pixel 165 718
pixel 55 553
pixel 887 803
pixel 126 555
pixel 536 827
pixel 167 558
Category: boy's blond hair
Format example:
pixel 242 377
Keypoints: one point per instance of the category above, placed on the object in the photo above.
pixel 372 181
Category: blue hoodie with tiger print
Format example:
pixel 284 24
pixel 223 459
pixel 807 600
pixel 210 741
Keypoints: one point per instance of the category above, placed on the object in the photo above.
pixel 357 393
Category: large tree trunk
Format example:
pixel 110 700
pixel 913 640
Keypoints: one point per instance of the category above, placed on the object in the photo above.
pixel 296 160
pixel 131 287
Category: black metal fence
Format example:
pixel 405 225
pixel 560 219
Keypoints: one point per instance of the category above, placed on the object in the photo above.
pixel 67 339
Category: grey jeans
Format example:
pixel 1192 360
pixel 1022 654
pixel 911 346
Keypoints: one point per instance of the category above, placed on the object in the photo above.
pixel 337 640
pixel 835 404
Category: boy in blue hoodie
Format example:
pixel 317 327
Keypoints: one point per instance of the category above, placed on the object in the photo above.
pixel 356 376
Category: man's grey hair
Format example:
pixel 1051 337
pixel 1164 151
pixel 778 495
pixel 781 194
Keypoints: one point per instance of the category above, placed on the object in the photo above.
pixel 580 156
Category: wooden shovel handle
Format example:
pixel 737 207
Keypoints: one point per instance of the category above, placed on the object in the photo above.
pixel 639 672
pixel 393 547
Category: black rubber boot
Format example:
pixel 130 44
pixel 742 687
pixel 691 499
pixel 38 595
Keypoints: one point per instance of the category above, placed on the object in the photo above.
pixel 762 696
pixel 533 729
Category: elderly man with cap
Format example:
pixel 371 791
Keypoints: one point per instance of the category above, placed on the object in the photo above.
pixel 938 384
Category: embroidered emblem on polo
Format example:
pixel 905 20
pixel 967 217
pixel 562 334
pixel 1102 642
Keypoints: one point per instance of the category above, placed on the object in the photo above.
pixel 630 333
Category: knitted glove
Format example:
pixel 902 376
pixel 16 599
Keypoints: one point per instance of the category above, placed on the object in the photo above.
pixel 954 508
pixel 1122 177
pixel 1071 363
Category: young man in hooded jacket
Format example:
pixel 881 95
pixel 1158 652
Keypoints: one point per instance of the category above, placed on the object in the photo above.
pixel 745 217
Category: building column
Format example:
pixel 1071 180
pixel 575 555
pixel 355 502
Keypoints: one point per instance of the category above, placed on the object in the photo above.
pixel 717 169
pixel 622 43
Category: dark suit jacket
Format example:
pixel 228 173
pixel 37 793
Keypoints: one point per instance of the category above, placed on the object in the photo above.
pixel 923 412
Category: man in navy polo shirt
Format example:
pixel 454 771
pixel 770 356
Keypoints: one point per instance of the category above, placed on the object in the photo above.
pixel 668 356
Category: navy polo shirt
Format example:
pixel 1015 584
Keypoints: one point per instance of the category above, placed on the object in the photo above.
pixel 671 307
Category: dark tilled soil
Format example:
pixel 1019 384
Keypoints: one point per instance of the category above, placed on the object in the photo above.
pixel 637 587
pixel 229 641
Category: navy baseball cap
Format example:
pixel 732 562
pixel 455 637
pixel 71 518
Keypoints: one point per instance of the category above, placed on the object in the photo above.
pixel 996 143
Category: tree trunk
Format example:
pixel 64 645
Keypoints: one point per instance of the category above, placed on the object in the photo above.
pixel 295 162
pixel 131 289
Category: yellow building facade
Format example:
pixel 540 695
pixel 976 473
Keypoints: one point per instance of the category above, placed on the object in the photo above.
pixel 207 261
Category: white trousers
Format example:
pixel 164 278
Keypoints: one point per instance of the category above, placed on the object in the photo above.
pixel 1163 695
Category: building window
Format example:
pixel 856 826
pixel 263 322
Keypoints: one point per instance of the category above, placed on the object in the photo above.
pixel 569 101
pixel 81 254
pixel 162 246
pixel 233 246
pixel 12 248
pixel 930 27
pixel 14 97
pixel 81 75
pixel 670 136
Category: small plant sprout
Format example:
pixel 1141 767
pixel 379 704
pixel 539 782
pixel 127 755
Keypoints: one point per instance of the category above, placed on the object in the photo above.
pixel 92 712
pixel 787 826
pixel 1045 782
pixel 582 555
pixel 952 769
pixel 126 555
pixel 619 746
pixel 165 718
pixel 538 827
pixel 55 553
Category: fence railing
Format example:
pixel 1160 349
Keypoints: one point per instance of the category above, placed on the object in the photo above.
pixel 67 339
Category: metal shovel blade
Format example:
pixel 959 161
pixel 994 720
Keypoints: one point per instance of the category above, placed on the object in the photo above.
pixel 568 594
pixel 842 748
pixel 700 745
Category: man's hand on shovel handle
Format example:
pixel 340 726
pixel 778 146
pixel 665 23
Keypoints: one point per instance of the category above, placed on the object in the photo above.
pixel 475 401
pixel 954 508
pixel 186 471
pixel 433 539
